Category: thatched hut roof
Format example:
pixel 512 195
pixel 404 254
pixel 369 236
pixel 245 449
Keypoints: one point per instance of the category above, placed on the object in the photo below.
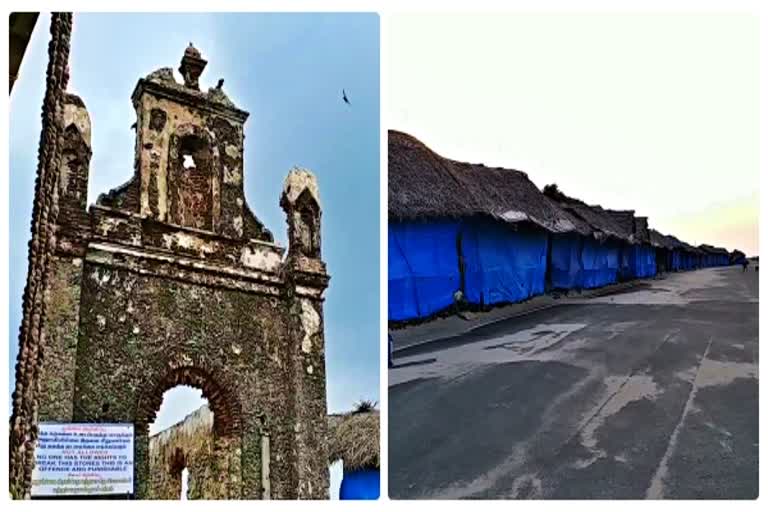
pixel 423 184
pixel 710 249
pixel 581 226
pixel 670 242
pixel 692 248
pixel 354 439
pixel 659 240
pixel 641 230
pixel 675 243
pixel 601 220
pixel 684 246
pixel 625 220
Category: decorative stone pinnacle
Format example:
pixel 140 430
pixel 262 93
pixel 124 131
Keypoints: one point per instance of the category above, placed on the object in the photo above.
pixel 192 66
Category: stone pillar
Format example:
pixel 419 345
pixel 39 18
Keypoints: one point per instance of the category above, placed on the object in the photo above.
pixel 23 432
pixel 71 225
pixel 306 279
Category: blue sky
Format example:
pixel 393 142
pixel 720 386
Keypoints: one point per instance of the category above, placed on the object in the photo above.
pixel 288 71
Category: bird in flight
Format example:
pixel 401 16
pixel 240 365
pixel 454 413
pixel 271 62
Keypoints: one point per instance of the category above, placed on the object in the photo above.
pixel 344 97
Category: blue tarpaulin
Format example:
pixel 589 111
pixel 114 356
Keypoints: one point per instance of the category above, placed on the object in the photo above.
pixel 677 260
pixel 502 264
pixel 643 260
pixel 423 268
pixel 360 485
pixel 565 261
pixel 627 262
pixel 600 263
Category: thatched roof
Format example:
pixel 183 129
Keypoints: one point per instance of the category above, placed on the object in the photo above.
pixel 710 249
pixel 641 230
pixel 671 242
pixel 625 220
pixel 675 243
pixel 691 248
pixel 684 246
pixel 659 240
pixel 581 226
pixel 423 184
pixel 600 220
pixel 354 439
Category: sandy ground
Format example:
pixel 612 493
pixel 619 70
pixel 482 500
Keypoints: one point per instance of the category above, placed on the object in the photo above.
pixel 646 394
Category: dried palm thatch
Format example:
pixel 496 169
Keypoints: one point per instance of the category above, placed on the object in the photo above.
pixel 641 230
pixel 666 241
pixel 354 439
pixel 659 240
pixel 602 221
pixel 625 220
pixel 710 249
pixel 423 184
pixel 674 243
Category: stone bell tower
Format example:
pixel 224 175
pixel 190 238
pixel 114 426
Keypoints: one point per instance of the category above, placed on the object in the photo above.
pixel 170 279
pixel 189 154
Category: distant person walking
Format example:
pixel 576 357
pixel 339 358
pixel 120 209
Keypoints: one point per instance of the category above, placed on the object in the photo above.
pixel 744 265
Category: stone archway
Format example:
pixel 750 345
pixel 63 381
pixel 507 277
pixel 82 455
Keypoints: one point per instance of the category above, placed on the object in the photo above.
pixel 208 443
pixel 144 298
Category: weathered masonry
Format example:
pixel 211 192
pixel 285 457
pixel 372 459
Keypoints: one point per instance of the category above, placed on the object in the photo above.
pixel 32 334
pixel 170 279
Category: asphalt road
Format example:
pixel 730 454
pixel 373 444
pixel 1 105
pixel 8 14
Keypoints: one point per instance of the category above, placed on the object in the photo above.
pixel 647 394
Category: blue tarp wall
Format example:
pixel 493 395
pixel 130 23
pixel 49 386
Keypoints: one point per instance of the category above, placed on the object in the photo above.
pixel 502 264
pixel 684 260
pixel 600 263
pixel 565 262
pixel 689 261
pixel 626 262
pixel 360 485
pixel 578 262
pixel 423 268
pixel 643 261
pixel 677 260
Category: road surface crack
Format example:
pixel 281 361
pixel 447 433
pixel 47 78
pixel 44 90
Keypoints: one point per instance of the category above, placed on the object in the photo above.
pixel 656 488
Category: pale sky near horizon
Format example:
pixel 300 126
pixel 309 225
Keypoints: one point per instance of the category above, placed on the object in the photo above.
pixel 652 112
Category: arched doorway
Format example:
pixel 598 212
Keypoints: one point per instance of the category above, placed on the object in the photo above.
pixel 181 433
pixel 205 445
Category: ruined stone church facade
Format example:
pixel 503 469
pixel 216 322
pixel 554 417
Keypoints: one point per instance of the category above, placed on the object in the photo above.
pixel 170 279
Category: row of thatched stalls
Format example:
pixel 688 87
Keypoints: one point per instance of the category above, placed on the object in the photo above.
pixel 493 235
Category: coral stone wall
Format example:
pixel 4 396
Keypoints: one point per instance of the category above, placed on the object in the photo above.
pixel 170 279
pixel 136 331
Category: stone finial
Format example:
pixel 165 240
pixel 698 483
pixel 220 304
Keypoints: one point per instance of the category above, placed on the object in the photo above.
pixel 301 202
pixel 191 67
pixel 297 181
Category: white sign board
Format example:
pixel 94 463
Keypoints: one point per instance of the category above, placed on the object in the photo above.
pixel 83 459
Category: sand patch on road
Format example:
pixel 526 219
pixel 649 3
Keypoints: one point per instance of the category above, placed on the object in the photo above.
pixel 622 391
pixel 540 343
pixel 720 373
pixel 677 289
